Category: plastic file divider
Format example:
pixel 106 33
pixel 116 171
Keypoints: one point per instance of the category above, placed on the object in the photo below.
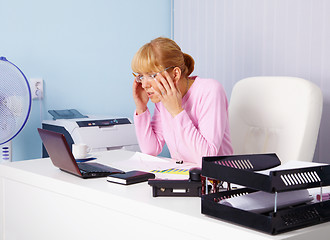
pixel 286 219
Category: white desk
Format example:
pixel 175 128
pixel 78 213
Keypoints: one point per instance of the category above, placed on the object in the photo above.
pixel 38 201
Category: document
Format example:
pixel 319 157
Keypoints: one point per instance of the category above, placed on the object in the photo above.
pixel 166 168
pixel 292 165
pixel 261 202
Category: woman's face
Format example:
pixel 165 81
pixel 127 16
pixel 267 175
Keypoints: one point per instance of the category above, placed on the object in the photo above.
pixel 150 86
pixel 148 81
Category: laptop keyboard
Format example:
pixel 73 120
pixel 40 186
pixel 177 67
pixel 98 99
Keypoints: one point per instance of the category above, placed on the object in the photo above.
pixel 97 168
pixel 91 168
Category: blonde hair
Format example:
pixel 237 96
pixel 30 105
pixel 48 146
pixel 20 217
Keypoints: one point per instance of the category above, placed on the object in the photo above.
pixel 159 54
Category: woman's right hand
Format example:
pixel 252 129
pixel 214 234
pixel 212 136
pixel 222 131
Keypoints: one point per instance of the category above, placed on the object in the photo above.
pixel 140 97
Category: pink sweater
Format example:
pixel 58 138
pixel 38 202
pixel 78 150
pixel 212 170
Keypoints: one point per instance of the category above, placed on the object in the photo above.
pixel 201 129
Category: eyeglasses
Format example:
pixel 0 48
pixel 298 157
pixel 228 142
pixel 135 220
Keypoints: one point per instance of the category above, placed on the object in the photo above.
pixel 139 77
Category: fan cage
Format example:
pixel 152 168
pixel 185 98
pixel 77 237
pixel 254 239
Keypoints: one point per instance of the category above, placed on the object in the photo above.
pixel 29 103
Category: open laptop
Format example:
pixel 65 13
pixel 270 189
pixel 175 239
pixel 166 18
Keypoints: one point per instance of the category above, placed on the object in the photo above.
pixel 61 156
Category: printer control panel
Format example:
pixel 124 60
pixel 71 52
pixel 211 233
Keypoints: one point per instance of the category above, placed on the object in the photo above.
pixel 103 123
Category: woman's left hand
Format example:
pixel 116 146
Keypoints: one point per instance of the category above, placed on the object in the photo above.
pixel 169 94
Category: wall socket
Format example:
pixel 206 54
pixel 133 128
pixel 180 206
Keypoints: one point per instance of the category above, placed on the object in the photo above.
pixel 37 88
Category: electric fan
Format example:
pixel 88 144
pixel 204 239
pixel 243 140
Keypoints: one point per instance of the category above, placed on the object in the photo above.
pixel 15 105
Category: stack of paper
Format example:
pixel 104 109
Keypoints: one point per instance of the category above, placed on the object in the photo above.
pixel 260 202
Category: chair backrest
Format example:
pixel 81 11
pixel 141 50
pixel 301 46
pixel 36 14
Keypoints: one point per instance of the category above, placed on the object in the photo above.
pixel 275 114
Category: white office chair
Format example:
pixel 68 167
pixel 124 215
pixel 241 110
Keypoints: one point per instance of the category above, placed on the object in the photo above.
pixel 275 114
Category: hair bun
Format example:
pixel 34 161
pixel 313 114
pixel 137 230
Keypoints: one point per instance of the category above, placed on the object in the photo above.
pixel 189 62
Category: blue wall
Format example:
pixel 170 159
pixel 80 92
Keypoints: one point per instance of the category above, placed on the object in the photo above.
pixel 82 49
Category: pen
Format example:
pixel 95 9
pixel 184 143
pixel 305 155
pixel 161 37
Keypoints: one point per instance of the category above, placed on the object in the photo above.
pixel 325 196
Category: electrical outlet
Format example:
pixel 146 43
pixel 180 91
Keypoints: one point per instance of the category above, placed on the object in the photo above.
pixel 37 88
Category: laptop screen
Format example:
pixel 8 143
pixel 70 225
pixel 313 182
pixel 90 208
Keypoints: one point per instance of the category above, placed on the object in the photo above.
pixel 59 151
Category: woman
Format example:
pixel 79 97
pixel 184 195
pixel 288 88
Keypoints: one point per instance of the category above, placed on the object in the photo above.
pixel 191 113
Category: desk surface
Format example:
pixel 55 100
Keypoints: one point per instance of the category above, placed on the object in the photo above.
pixel 136 201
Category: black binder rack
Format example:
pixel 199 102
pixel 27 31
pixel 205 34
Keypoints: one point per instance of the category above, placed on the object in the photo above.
pixel 240 169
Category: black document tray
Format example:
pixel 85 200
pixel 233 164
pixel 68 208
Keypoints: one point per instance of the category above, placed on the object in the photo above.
pixel 233 170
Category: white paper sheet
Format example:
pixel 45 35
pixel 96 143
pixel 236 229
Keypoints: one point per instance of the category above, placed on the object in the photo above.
pixel 260 202
pixel 291 165
pixel 145 162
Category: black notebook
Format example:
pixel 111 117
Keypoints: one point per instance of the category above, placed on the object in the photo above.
pixel 130 177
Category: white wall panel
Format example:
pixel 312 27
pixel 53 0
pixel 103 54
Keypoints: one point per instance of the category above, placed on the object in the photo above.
pixel 234 39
